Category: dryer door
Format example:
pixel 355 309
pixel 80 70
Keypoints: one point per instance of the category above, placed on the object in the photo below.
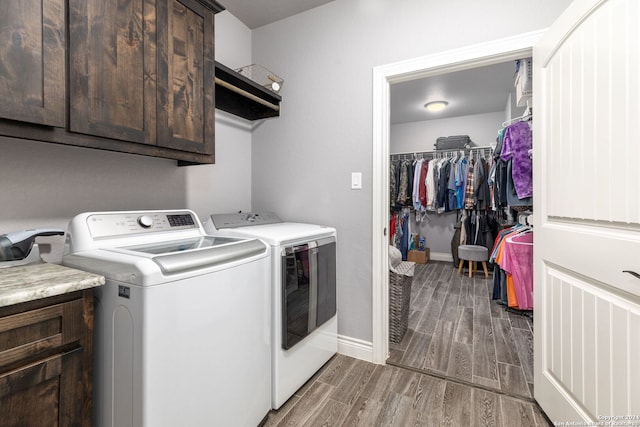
pixel 308 288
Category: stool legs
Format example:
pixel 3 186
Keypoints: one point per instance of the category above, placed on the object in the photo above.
pixel 484 267
pixel 473 266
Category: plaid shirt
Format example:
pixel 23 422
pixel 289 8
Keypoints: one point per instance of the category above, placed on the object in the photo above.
pixel 469 198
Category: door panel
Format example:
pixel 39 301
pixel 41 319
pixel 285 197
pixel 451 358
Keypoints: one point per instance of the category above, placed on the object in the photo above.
pixel 186 74
pixel 591 330
pixel 113 69
pixel 32 58
pixel 587 210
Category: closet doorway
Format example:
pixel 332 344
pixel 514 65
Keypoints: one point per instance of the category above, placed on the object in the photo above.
pixel 438 283
pixel 459 328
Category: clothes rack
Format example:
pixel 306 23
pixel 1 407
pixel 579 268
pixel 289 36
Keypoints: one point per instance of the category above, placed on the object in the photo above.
pixel 442 154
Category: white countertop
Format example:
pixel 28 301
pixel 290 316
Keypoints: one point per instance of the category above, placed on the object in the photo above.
pixel 35 281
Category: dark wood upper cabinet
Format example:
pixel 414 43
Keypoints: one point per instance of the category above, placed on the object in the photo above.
pixel 143 71
pixel 186 72
pixel 135 76
pixel 113 72
pixel 32 61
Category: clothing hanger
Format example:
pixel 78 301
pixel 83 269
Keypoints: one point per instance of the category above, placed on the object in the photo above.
pixel 527 115
pixel 510 238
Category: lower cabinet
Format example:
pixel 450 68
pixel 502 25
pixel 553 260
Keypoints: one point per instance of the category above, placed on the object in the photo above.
pixel 46 361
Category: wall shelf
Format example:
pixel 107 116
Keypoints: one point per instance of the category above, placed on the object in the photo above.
pixel 241 96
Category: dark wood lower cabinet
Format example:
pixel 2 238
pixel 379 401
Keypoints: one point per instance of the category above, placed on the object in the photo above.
pixel 46 362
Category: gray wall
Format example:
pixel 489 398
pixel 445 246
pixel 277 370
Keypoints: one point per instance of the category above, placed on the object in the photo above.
pixel 225 186
pixel 302 163
pixel 45 185
pixel 420 136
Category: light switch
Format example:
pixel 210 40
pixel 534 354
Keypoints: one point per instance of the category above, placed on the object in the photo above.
pixel 356 180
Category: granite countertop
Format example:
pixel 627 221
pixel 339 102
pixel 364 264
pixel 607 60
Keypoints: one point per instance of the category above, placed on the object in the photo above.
pixel 34 281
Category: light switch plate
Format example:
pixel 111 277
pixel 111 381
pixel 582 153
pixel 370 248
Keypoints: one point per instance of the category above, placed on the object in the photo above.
pixel 356 180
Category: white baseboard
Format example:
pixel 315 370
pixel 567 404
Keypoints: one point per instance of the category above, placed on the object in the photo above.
pixel 356 348
pixel 440 256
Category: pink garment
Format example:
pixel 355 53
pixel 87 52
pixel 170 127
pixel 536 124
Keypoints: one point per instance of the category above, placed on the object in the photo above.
pixel 517 260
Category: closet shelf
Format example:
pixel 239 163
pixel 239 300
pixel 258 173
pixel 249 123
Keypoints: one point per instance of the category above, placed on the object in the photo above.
pixel 241 96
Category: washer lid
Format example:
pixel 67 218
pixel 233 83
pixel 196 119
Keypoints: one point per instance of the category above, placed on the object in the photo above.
pixel 172 246
pixel 213 256
pixel 178 256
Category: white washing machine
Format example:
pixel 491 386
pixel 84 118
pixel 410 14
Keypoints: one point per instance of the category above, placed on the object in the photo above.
pixel 304 321
pixel 181 325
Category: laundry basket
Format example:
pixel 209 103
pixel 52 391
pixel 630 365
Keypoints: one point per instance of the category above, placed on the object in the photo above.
pixel 400 279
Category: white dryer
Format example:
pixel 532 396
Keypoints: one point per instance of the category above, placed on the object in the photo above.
pixel 181 325
pixel 304 320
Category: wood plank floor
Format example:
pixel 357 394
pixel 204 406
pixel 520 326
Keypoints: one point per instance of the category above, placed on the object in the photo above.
pixel 465 361
pixel 352 392
pixel 457 331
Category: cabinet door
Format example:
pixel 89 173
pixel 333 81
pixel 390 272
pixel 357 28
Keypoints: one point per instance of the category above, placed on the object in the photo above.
pixel 32 61
pixel 46 362
pixel 112 70
pixel 30 396
pixel 186 72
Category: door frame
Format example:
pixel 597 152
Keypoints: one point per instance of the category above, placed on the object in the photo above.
pixel 479 55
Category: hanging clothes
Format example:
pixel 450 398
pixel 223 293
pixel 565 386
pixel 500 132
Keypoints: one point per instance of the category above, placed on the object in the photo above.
pixel 460 178
pixel 432 174
pixel 469 199
pixel 500 181
pixel 480 187
pixel 393 221
pixel 518 262
pixel 518 140
pixel 512 197
pixel 443 192
pixel 403 187
pixel 513 275
pixel 393 189
pixel 422 191
pixel 415 195
pixel 451 186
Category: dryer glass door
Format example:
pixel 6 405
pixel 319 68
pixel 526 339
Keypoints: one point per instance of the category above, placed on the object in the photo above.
pixel 308 289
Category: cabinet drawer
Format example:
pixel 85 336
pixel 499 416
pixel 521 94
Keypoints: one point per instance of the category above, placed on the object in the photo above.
pixel 38 332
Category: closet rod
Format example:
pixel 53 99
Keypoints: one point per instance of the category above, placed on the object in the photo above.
pixel 486 151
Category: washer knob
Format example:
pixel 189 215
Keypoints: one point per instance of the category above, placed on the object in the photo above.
pixel 145 221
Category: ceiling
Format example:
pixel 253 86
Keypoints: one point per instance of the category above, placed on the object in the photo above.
pixel 476 91
pixel 256 13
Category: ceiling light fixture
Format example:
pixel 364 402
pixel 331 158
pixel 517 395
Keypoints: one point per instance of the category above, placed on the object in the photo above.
pixel 436 106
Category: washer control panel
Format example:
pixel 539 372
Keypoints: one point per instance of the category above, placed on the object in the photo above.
pixel 113 224
pixel 243 219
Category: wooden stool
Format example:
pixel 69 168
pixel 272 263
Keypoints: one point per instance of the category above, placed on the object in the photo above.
pixel 473 254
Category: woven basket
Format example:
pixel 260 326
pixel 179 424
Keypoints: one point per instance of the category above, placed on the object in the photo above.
pixel 400 279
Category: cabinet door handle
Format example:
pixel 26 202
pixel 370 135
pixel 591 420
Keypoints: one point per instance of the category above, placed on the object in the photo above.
pixel 633 273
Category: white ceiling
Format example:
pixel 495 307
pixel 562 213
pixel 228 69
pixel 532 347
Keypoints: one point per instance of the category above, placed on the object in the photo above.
pixel 476 91
pixel 256 13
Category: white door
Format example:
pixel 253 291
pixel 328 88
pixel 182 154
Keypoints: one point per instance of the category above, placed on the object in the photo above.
pixel 587 210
